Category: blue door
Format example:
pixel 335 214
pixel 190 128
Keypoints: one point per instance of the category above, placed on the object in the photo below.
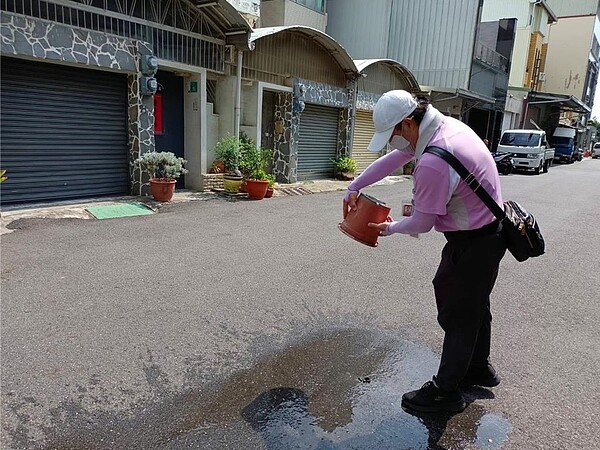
pixel 168 110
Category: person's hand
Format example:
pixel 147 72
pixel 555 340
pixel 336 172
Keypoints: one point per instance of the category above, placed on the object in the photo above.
pixel 350 202
pixel 381 226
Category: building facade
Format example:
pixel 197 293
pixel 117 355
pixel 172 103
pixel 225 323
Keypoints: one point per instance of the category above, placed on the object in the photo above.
pixel 77 101
pixel 298 100
pixel 532 21
pixel 555 64
pixel 309 13
pixel 438 42
pixel 376 77
pixel 491 67
pixel 572 61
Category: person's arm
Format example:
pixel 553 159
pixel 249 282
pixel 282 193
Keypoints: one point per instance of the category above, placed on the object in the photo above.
pixel 379 169
pixel 417 223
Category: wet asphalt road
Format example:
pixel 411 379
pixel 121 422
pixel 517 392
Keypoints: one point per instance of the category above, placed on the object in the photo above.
pixel 258 325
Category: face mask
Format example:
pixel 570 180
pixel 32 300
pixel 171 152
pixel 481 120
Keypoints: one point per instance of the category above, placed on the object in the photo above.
pixel 400 143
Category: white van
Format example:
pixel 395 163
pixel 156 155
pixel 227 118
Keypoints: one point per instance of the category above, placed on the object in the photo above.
pixel 596 150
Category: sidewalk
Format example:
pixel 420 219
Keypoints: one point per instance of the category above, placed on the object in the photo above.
pixel 77 209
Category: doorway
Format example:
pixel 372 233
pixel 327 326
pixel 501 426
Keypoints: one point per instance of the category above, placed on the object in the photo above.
pixel 267 136
pixel 169 116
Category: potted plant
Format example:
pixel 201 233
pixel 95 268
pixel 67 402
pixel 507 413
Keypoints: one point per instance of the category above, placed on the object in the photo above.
pixel 163 169
pixel 253 163
pixel 229 152
pixel 345 168
pixel 271 180
pixel 217 167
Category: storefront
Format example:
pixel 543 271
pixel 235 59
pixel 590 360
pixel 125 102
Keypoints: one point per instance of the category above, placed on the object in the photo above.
pixel 297 97
pixel 74 116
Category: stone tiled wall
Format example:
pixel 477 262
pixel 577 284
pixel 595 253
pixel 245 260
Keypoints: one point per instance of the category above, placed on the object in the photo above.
pixel 44 40
pixel 322 94
pixel 286 134
pixel 26 36
pixel 141 128
pixel 346 123
pixel 366 101
pixel 141 131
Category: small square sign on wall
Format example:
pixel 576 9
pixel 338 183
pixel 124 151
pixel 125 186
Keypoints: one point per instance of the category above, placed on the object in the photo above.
pixel 193 86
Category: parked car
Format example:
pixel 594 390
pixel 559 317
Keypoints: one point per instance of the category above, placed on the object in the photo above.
pixel 529 149
pixel 596 150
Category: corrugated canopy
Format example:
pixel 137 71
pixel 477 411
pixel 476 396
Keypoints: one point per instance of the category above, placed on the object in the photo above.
pixel 362 64
pixel 563 101
pixel 225 17
pixel 459 92
pixel 339 53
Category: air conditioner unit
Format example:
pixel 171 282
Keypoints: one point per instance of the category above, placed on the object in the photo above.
pixel 542 76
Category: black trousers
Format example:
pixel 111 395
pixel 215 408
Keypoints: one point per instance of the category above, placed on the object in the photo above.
pixel 463 283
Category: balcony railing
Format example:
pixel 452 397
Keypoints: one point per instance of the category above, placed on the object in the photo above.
pixel 490 57
pixel 157 25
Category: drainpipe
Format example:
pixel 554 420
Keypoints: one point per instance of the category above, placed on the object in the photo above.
pixel 238 95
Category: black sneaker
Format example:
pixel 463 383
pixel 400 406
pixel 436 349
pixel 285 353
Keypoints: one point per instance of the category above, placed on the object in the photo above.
pixel 431 398
pixel 485 376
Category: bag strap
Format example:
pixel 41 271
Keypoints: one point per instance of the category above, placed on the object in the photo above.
pixel 468 178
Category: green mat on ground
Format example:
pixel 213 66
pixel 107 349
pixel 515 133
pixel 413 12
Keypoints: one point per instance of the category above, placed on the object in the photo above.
pixel 121 210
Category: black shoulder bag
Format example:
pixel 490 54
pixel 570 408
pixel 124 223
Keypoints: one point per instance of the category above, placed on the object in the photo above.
pixel 520 229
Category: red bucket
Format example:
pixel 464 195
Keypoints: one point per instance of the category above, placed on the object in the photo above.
pixel 368 209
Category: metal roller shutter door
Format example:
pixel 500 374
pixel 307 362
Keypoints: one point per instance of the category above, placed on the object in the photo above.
pixel 317 146
pixel 363 132
pixel 64 132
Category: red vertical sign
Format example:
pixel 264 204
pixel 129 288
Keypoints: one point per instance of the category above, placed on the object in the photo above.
pixel 158 114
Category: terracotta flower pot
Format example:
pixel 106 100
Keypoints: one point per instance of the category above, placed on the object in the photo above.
pixel 162 189
pixel 257 189
pixel 269 193
pixel 355 224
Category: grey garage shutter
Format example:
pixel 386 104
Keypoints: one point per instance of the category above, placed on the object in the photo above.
pixel 64 132
pixel 317 145
pixel 363 132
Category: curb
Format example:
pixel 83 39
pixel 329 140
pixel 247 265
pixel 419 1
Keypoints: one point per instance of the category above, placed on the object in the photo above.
pixel 77 210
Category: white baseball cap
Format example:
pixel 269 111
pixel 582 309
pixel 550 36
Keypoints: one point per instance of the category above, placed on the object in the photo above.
pixel 391 109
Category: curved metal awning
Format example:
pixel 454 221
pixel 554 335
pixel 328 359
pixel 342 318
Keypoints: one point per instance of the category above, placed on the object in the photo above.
pixel 224 16
pixel 339 53
pixel 362 64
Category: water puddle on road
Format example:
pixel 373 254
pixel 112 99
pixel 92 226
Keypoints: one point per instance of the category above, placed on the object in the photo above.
pixel 344 392
pixel 336 391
